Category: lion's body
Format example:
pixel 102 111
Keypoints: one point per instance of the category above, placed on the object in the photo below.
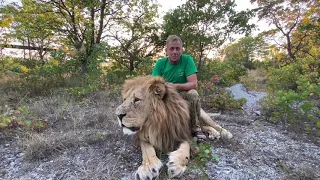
pixel 159 116
pixel 166 122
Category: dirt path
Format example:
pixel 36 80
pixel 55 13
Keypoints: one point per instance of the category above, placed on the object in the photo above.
pixel 259 150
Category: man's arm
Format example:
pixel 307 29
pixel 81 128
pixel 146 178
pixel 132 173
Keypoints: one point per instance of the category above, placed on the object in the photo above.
pixel 191 84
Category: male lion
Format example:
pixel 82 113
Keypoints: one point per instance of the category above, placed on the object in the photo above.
pixel 159 116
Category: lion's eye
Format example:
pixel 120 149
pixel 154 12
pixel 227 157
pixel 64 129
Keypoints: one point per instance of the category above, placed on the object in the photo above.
pixel 136 100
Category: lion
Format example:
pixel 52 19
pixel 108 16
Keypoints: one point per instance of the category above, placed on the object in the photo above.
pixel 156 113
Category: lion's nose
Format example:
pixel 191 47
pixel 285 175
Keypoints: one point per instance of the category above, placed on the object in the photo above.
pixel 120 116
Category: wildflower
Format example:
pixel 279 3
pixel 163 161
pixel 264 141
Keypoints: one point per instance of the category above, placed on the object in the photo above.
pixel 67 75
pixel 207 85
pixel 55 62
pixel 195 151
pixel 24 69
pixel 215 79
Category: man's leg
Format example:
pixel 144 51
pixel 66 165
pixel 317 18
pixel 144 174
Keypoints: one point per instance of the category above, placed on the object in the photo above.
pixel 193 98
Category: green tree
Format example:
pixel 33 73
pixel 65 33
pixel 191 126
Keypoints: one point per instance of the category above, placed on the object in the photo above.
pixel 28 27
pixel 206 25
pixel 135 34
pixel 247 50
pixel 295 21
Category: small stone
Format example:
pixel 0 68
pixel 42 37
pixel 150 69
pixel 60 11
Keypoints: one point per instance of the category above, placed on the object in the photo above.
pixel 258 113
pixel 3 172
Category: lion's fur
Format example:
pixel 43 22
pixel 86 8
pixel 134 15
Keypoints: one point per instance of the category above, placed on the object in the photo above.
pixel 166 122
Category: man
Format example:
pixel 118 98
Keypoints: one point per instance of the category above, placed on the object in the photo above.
pixel 180 70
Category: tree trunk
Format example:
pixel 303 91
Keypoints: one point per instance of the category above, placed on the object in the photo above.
pixel 200 63
pixel 131 68
pixel 289 47
pixel 84 68
pixel 29 48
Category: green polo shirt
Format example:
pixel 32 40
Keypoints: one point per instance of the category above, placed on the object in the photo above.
pixel 175 73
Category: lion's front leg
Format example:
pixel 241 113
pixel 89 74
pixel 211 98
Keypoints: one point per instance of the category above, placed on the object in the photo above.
pixel 151 164
pixel 217 130
pixel 178 160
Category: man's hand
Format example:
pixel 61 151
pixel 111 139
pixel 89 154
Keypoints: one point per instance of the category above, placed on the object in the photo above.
pixel 171 84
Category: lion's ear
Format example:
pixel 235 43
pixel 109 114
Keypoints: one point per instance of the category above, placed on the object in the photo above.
pixel 158 89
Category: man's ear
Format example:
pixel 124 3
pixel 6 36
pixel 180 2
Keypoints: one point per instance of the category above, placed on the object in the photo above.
pixel 158 89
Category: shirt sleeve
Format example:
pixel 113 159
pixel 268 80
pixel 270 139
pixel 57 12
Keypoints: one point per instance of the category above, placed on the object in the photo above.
pixel 190 66
pixel 157 69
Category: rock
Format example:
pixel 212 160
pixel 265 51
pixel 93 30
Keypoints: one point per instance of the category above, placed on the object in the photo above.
pixel 240 91
pixel 257 113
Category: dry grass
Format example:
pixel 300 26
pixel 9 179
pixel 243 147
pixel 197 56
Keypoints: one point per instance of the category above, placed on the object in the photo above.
pixel 70 123
pixel 255 81
pixel 9 78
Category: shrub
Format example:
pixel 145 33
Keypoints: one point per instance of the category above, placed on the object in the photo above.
pixel 282 78
pixel 218 98
pixel 117 74
pixel 21 118
pixel 229 72
pixel 297 107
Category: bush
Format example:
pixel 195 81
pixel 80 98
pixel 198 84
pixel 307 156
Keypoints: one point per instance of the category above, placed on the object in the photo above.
pixel 282 78
pixel 8 64
pixel 215 97
pixel 117 74
pixel 297 107
pixel 21 118
pixel 229 72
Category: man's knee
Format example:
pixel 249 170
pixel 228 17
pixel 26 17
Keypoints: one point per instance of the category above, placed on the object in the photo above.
pixel 193 95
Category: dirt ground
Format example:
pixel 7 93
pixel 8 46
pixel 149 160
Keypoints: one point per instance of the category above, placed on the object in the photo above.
pixel 83 141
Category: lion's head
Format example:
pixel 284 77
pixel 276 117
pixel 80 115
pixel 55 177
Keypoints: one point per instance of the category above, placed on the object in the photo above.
pixel 155 112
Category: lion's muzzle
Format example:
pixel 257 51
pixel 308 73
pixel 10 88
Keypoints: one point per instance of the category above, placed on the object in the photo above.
pixel 127 124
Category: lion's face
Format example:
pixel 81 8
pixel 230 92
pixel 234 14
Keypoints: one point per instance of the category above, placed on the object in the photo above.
pixel 131 112
pixel 139 96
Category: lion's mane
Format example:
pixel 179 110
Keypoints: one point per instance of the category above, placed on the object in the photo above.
pixel 167 121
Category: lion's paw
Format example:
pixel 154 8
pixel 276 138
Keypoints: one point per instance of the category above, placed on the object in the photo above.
pixel 226 134
pixel 177 164
pixel 149 170
pixel 213 134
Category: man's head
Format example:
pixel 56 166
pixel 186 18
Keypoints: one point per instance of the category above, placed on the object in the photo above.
pixel 174 48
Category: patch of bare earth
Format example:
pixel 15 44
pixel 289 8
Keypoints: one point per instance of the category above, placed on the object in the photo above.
pixel 83 141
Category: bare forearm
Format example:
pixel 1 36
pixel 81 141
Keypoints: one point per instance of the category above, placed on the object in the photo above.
pixel 186 86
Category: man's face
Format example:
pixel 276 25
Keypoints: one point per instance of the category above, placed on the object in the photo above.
pixel 174 51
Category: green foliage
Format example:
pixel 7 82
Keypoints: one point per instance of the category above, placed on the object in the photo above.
pixel 213 78
pixel 201 153
pixel 205 25
pixel 300 107
pixel 246 51
pixel 44 77
pixel 215 97
pixel 117 74
pixel 21 118
pixel 229 72
pixel 256 80
pixel 283 78
pixel 8 64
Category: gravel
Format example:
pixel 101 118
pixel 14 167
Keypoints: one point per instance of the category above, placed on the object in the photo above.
pixel 258 150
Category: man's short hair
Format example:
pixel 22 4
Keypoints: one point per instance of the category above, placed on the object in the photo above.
pixel 173 38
